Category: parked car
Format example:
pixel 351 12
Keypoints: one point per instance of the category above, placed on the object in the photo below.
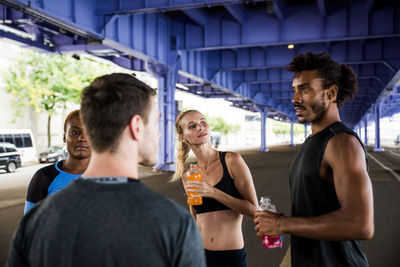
pixel 53 154
pixel 10 158
pixel 24 141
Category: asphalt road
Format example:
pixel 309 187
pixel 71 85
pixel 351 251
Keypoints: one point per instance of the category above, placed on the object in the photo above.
pixel 270 174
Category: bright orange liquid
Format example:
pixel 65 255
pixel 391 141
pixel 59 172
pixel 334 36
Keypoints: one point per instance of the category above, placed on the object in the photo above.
pixel 194 198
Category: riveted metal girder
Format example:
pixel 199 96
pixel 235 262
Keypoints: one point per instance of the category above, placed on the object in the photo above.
pixel 232 49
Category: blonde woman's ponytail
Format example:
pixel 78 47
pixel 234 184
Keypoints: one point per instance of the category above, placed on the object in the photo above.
pixel 183 148
pixel 182 155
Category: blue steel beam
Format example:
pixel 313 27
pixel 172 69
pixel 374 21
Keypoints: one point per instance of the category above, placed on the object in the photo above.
pixel 266 66
pixel 254 80
pixel 384 65
pixel 279 9
pixel 264 115
pixel 236 12
pixel 322 7
pixel 147 38
pixel 291 133
pixel 369 4
pixel 119 47
pixel 196 15
pixel 139 32
pixel 39 45
pixel 156 6
pixel 278 57
pixel 390 93
pixel 377 129
pixel 61 16
pixel 345 24
pixel 305 131
pixel 366 130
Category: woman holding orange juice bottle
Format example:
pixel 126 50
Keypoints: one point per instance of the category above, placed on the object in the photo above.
pixel 226 189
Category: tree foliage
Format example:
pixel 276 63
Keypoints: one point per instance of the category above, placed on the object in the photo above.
pixel 218 124
pixel 283 128
pixel 48 82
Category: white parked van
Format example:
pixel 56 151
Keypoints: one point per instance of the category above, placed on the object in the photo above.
pixel 23 140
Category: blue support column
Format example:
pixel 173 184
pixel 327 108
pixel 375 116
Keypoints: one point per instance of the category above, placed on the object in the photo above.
pixel 305 131
pixel 264 114
pixel 166 107
pixel 377 129
pixel 166 104
pixel 291 133
pixel 365 131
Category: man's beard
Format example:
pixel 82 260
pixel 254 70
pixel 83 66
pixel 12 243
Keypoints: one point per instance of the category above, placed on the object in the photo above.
pixel 319 108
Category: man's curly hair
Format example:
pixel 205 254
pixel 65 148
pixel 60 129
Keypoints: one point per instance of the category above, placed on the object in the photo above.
pixel 331 72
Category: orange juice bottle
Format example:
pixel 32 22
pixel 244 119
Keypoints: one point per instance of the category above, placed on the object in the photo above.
pixel 194 174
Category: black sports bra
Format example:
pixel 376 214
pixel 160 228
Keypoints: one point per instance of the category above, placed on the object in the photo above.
pixel 226 185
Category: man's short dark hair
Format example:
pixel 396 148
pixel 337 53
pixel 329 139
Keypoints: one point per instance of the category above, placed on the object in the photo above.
pixel 107 106
pixel 331 72
pixel 71 115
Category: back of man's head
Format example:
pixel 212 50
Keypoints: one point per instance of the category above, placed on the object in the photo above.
pixel 107 106
pixel 331 72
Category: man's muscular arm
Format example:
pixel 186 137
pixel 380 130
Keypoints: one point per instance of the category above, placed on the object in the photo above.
pixel 354 220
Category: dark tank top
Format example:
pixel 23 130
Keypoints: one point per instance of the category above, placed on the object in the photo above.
pixel 226 185
pixel 313 196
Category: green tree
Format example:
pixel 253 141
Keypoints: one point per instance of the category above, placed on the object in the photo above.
pixel 218 124
pixel 282 128
pixel 279 128
pixel 47 82
pixel 298 129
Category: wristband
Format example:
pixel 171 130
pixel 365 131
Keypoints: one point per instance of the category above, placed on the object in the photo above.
pixel 278 223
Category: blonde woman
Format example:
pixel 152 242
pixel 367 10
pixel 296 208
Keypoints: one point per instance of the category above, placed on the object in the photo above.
pixel 227 190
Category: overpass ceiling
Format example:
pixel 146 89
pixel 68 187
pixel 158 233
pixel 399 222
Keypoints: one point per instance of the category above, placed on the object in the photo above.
pixel 236 50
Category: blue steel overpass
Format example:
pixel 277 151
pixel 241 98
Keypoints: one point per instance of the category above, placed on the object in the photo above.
pixel 235 50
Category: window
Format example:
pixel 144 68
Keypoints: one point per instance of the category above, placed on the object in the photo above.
pixel 1 137
pixel 27 140
pixel 2 150
pixel 10 149
pixel 8 138
pixel 18 140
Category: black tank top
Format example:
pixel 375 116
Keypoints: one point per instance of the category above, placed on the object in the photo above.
pixel 226 185
pixel 313 196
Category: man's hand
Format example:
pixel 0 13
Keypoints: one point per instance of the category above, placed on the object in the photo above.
pixel 266 223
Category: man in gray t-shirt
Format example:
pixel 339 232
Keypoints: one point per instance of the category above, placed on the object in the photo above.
pixel 107 217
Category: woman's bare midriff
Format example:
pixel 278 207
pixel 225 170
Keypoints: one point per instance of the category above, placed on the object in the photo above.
pixel 221 230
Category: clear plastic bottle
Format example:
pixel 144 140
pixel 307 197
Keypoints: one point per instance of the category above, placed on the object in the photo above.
pixel 194 174
pixel 270 241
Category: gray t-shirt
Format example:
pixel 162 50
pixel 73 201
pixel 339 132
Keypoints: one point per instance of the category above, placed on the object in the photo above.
pixel 97 224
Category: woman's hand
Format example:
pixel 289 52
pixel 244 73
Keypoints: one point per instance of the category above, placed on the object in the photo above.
pixel 204 189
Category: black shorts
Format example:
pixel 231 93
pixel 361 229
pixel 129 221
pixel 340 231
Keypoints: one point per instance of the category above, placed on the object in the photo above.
pixel 226 258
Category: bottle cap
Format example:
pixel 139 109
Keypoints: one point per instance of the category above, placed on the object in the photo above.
pixel 193 165
pixel 267 199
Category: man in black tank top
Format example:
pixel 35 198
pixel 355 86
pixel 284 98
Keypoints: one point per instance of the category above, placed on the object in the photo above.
pixel 331 193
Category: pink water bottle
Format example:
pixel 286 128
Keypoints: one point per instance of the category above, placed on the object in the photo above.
pixel 270 241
